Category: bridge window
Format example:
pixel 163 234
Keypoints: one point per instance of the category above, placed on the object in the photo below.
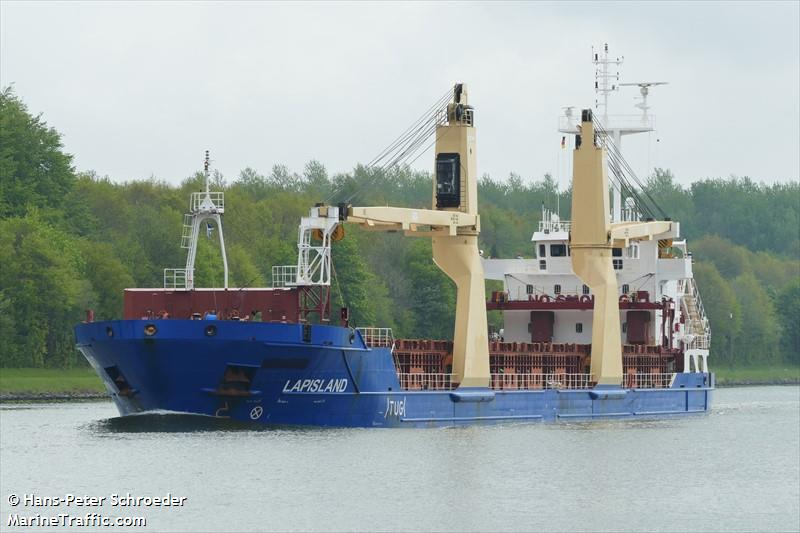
pixel 557 289
pixel 579 327
pixel 585 290
pixel 542 265
pixel 558 250
pixel 542 250
pixel 616 252
pixel 617 264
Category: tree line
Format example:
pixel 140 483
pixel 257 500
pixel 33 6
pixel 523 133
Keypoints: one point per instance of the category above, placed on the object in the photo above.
pixel 72 241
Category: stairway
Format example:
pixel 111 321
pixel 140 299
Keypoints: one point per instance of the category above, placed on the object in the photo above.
pixel 697 322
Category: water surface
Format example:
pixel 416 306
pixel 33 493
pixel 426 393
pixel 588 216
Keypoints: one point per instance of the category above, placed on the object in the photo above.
pixel 736 469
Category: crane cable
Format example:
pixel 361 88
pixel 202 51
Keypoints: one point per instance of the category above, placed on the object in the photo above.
pixel 620 167
pixel 617 166
pixel 403 148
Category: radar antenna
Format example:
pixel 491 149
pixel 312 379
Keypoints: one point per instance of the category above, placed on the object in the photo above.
pixel 644 89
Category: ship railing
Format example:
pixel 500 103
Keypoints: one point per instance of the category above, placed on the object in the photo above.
pixel 527 292
pixel 549 226
pixel 211 202
pixel 377 337
pixel 284 276
pixel 175 278
pixel 699 342
pixel 534 381
pixel 699 302
pixel 645 380
pixel 425 381
pixel 442 117
pixel 697 325
pixel 631 214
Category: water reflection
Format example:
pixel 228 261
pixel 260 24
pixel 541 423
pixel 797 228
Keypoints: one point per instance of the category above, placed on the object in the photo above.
pixel 189 423
pixel 173 423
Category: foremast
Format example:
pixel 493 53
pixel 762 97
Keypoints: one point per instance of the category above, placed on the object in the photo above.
pixel 203 206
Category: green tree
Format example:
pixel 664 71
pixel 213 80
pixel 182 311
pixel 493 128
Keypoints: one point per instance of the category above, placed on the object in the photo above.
pixel 354 285
pixel 243 270
pixel 34 171
pixel 668 194
pixel 45 283
pixel 208 267
pixel 789 314
pixel 759 335
pixel 722 309
pixel 730 260
pixel 316 181
pixel 757 216
pixel 433 300
pixel 108 276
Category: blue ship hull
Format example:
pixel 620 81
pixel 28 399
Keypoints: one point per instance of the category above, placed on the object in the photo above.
pixel 291 374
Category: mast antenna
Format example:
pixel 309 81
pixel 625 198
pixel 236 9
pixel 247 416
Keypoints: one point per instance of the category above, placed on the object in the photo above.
pixel 206 165
pixel 605 82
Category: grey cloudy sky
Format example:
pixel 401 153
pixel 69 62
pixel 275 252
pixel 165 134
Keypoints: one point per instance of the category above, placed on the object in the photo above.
pixel 141 89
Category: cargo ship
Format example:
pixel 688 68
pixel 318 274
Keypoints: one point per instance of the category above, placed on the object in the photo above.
pixel 273 355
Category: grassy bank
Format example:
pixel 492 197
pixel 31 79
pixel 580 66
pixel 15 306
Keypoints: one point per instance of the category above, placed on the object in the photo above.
pixel 757 374
pixel 49 381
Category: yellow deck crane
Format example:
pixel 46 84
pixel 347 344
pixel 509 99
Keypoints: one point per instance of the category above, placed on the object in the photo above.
pixel 453 226
pixel 591 241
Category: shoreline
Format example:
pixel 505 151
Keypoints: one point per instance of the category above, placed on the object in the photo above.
pixel 65 396
pixel 725 384
pixel 85 396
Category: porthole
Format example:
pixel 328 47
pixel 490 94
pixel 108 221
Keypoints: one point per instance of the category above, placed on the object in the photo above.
pixel 211 330
pixel 150 330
